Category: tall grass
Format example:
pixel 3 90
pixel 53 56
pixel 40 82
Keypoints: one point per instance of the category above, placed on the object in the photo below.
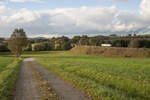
pixel 112 51
pixel 4 61
pixel 8 76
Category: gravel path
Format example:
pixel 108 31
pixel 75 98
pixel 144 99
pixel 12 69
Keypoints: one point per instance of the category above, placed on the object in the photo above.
pixel 62 89
pixel 27 88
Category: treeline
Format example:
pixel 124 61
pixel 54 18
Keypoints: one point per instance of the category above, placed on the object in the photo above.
pixel 3 45
pixel 60 43
pixel 115 41
pixel 65 43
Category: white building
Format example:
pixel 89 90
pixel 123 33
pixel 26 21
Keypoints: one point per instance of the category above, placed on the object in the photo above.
pixel 106 45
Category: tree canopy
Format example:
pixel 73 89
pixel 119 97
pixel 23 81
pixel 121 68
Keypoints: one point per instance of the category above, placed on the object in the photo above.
pixel 17 42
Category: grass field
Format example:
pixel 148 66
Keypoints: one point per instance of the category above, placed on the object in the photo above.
pixel 9 68
pixel 100 77
pixel 4 61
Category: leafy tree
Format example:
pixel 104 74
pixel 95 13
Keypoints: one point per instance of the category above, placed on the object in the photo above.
pixel 120 43
pixel 144 43
pixel 66 46
pixel 93 41
pixel 113 35
pixel 28 47
pixel 3 47
pixel 17 42
pixel 75 39
pixel 83 41
pixel 134 34
pixel 43 46
pixel 60 43
pixel 134 43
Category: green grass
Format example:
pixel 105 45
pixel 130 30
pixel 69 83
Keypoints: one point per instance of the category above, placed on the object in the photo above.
pixel 9 68
pixel 100 77
pixel 4 61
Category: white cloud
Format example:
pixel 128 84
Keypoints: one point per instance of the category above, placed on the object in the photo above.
pixel 68 21
pixel 145 8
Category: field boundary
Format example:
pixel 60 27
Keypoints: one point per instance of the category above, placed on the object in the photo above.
pixel 112 51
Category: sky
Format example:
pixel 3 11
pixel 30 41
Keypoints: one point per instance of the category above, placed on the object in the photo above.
pixel 48 18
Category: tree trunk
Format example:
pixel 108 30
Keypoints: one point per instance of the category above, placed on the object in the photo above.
pixel 17 55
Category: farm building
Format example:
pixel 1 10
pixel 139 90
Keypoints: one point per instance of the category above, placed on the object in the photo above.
pixel 106 45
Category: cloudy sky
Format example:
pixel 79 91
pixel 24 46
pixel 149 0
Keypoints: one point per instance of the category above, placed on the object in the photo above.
pixel 74 17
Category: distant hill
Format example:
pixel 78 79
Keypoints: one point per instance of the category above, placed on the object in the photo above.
pixel 144 34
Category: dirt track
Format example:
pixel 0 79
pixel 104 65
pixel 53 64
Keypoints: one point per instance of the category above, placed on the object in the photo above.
pixel 27 87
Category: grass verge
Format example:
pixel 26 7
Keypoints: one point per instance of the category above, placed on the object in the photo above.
pixel 8 79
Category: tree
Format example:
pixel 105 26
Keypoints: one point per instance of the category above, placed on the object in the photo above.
pixel 43 46
pixel 134 43
pixel 17 42
pixel 134 34
pixel 3 47
pixel 113 35
pixel 93 41
pixel 129 35
pixel 83 41
pixel 75 39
